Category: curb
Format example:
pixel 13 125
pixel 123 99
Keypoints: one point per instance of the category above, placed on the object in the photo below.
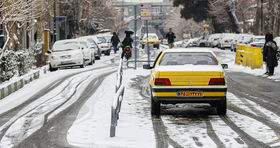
pixel 15 86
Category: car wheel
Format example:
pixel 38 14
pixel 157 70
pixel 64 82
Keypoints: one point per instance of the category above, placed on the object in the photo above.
pixel 91 62
pixel 155 106
pixel 83 65
pixel 157 46
pixel 222 107
pixel 52 69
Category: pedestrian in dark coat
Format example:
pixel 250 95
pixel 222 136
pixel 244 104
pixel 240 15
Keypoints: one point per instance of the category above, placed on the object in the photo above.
pixel 115 41
pixel 170 36
pixel 269 54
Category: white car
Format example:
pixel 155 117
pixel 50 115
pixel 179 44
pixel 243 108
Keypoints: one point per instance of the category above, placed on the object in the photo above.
pixel 108 37
pixel 215 40
pixel 226 41
pixel 104 45
pixel 258 41
pixel 87 46
pixel 242 39
pixel 96 52
pixel 66 55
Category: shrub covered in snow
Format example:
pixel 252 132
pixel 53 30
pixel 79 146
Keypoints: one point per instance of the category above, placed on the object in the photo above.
pixel 16 63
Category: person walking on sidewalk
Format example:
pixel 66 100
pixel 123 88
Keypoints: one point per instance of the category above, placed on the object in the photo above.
pixel 170 36
pixel 269 54
pixel 115 41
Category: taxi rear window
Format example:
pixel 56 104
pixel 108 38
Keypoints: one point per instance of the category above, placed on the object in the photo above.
pixel 188 58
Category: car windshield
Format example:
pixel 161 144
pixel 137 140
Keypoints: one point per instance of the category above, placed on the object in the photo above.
pixel 101 39
pixel 262 40
pixel 65 47
pixel 189 58
pixel 59 46
pixel 108 38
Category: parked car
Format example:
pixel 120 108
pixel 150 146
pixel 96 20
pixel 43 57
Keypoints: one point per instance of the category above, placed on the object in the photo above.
pixel 164 42
pixel 93 46
pixel 202 42
pixel 185 75
pixel 87 45
pixel 152 39
pixel 242 39
pixel 226 41
pixel 258 41
pixel 216 39
pixel 66 54
pixel 103 44
pixel 108 37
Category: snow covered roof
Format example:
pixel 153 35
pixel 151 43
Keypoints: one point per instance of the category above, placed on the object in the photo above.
pixel 188 50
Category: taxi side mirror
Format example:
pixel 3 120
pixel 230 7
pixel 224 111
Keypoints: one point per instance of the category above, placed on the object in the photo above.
pixel 147 66
pixel 225 66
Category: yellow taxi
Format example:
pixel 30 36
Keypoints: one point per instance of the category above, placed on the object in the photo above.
pixel 187 75
pixel 152 39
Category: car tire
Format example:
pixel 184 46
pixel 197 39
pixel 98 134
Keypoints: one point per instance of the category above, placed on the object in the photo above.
pixel 83 65
pixel 53 69
pixel 222 107
pixel 155 106
pixel 157 46
pixel 143 46
pixel 91 62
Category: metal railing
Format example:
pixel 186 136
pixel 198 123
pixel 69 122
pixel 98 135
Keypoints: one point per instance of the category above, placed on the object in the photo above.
pixel 138 61
pixel 116 105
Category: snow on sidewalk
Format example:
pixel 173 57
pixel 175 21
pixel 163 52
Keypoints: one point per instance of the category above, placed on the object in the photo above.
pixel 228 57
pixel 134 130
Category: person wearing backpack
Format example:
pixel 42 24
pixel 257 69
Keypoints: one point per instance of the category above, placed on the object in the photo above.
pixel 115 41
pixel 269 54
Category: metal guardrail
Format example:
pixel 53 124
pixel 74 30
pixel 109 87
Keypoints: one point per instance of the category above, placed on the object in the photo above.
pixel 116 105
pixel 138 61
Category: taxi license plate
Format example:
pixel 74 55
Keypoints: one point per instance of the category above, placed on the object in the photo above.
pixel 190 94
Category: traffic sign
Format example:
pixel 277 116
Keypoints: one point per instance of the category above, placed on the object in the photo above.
pixel 146 11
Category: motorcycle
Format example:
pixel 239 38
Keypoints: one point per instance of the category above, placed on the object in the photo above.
pixel 127 52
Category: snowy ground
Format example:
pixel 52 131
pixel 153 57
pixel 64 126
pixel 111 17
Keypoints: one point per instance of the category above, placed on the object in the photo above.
pixel 193 125
pixel 252 119
pixel 228 57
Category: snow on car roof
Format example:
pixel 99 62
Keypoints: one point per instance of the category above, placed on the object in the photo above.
pixel 188 50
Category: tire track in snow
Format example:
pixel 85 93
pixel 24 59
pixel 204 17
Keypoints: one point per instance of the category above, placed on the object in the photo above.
pixel 162 138
pixel 53 133
pixel 264 121
pixel 211 133
pixel 250 141
pixel 37 107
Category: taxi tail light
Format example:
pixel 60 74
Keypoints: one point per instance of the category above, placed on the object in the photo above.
pixel 217 81
pixel 162 82
pixel 254 45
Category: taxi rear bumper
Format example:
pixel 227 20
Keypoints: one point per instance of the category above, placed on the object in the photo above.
pixel 168 95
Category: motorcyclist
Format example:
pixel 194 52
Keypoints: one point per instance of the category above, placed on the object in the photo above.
pixel 127 41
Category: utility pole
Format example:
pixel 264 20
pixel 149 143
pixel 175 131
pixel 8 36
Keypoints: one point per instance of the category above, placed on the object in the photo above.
pixel 54 21
pixel 262 19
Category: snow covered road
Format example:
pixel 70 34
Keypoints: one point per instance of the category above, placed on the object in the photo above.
pixel 71 108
